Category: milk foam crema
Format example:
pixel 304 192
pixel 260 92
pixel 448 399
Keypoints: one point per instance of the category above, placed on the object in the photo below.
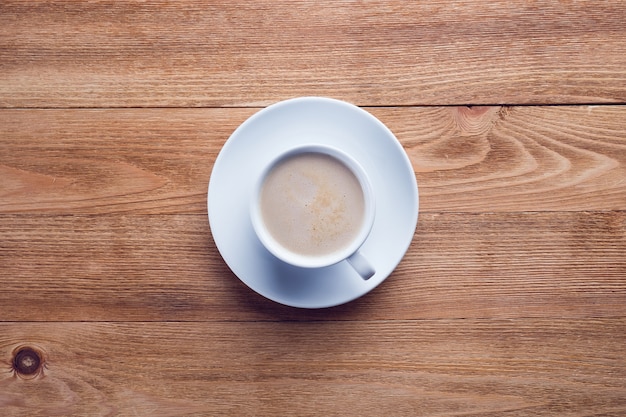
pixel 312 204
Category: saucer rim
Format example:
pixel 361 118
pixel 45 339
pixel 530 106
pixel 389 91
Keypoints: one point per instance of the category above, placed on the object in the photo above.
pixel 400 154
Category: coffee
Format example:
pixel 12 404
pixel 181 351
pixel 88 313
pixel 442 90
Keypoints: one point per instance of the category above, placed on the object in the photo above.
pixel 312 204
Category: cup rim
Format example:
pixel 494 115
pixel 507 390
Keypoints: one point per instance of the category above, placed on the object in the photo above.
pixel 311 261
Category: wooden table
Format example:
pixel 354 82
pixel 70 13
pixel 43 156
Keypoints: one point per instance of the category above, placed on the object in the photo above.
pixel 510 301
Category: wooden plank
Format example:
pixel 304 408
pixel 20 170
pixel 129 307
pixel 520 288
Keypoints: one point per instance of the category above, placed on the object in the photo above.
pixel 149 268
pixel 402 368
pixel 240 53
pixel 104 161
pixel 479 159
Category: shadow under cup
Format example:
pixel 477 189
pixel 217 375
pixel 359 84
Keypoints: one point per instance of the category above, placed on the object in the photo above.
pixel 313 207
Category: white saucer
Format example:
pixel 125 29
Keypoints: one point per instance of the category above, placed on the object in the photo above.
pixel 300 121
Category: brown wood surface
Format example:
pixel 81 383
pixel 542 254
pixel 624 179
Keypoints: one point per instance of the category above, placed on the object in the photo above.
pixel 242 53
pixel 478 159
pixel 511 300
pixel 402 368
pixel 151 268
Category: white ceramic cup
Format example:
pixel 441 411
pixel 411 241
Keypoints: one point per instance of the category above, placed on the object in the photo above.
pixel 349 252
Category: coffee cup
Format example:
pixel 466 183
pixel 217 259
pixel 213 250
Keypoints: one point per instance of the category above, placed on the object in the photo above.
pixel 313 207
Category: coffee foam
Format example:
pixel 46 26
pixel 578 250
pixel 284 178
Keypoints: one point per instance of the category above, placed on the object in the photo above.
pixel 312 204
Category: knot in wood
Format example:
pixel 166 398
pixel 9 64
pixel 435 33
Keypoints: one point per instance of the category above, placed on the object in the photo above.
pixel 27 361
pixel 476 120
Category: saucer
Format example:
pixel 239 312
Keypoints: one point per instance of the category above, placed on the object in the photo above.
pixel 274 130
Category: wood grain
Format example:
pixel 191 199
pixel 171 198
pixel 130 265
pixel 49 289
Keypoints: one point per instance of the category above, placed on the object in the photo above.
pixel 152 268
pixel 366 368
pixel 511 300
pixel 479 159
pixel 237 53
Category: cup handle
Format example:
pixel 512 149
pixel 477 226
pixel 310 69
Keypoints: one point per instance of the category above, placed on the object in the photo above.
pixel 361 265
